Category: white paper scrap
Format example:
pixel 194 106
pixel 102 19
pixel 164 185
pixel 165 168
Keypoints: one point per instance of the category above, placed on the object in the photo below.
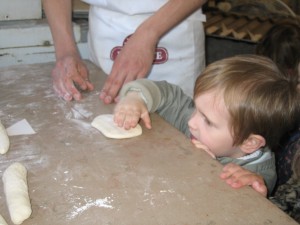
pixel 20 128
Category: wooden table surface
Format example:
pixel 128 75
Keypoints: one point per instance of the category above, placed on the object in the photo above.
pixel 77 176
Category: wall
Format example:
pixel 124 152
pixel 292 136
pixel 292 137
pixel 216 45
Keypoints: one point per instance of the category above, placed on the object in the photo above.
pixel 25 37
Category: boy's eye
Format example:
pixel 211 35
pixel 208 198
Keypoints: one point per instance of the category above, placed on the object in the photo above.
pixel 207 121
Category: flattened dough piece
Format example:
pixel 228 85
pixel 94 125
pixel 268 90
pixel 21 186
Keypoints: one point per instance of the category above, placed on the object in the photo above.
pixel 16 192
pixel 4 140
pixel 106 125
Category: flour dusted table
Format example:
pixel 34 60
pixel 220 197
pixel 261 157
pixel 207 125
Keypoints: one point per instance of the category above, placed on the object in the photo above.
pixel 77 176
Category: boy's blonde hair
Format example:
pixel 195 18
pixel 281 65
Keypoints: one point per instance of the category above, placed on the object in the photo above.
pixel 260 100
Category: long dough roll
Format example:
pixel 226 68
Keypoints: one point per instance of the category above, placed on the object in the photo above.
pixel 4 140
pixel 2 221
pixel 16 192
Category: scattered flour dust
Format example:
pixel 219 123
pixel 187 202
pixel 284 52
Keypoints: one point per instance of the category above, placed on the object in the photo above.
pixel 101 203
pixel 79 115
pixel 78 112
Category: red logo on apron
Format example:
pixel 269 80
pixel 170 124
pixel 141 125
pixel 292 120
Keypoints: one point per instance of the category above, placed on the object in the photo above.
pixel 161 54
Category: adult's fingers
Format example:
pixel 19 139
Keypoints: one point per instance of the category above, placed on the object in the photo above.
pixel 70 77
pixel 112 86
pixel 62 75
pixel 59 87
pixel 82 81
pixel 130 65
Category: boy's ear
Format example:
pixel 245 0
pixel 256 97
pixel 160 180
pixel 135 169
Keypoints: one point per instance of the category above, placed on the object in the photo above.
pixel 253 143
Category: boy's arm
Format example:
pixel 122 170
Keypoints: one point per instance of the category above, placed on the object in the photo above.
pixel 166 99
pixel 237 177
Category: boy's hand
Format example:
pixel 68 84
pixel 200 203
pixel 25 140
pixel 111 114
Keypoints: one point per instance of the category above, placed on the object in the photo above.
pixel 130 109
pixel 237 177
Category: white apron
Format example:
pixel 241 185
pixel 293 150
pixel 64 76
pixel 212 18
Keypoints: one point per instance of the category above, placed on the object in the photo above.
pixel 180 55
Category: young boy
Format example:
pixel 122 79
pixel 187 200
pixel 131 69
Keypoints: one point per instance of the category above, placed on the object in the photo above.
pixel 281 44
pixel 242 106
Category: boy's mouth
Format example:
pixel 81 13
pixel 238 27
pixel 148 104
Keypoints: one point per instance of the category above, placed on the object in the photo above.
pixel 203 147
pixel 192 137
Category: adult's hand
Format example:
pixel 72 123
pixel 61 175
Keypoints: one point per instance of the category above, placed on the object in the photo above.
pixel 69 74
pixel 133 62
pixel 136 58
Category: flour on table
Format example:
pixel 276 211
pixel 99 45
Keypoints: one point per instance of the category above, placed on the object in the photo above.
pixel 101 203
pixel 105 124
